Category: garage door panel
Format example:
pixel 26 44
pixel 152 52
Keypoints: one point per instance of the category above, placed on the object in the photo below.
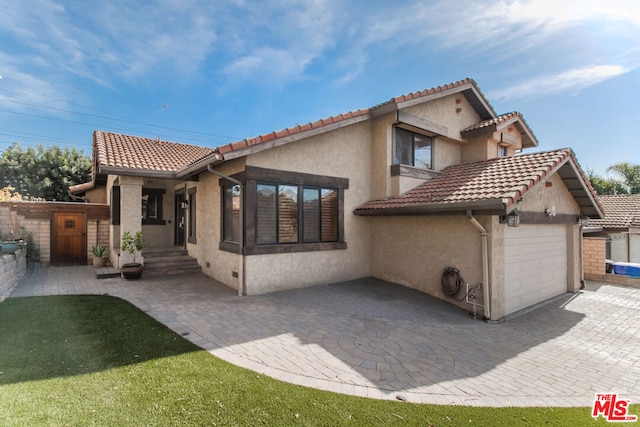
pixel 535 264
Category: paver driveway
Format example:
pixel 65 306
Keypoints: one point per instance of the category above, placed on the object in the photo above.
pixel 375 339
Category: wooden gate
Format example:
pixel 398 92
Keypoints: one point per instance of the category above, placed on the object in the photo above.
pixel 69 237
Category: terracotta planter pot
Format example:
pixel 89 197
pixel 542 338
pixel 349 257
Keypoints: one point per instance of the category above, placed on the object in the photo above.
pixel 131 271
pixel 99 261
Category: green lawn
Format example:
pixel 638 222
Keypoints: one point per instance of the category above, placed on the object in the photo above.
pixel 98 360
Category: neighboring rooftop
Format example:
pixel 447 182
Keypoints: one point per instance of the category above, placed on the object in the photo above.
pixel 494 185
pixel 620 211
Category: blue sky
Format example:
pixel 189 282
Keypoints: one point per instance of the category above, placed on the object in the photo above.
pixel 212 72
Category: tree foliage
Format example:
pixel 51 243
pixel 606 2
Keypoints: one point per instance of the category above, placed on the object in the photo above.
pixel 629 175
pixel 43 173
pixel 605 186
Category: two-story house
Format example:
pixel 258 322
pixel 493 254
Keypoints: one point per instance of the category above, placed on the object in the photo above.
pixel 399 191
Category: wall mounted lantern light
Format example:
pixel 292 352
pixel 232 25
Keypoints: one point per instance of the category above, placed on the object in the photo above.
pixel 513 219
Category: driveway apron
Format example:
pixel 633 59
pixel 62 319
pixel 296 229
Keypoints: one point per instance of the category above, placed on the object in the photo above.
pixel 375 339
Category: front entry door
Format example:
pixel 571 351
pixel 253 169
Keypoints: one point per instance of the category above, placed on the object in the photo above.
pixel 181 220
pixel 69 237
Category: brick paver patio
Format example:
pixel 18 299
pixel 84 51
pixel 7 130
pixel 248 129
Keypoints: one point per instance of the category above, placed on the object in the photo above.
pixel 371 338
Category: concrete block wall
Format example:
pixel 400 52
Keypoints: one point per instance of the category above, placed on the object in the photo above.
pixel 593 254
pixel 12 268
pixel 5 220
pixel 40 229
pixel 97 233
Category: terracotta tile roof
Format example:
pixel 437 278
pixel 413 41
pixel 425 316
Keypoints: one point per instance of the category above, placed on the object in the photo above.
pixel 497 123
pixel 112 150
pixel 431 91
pixel 502 181
pixel 494 121
pixel 620 211
pixel 268 137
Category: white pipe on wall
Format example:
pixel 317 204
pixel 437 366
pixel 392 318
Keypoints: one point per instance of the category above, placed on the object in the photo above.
pixel 485 265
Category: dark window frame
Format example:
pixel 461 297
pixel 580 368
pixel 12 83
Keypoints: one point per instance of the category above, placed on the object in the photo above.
pixel 192 200
pixel 228 243
pixel 115 205
pixel 413 134
pixel 157 194
pixel 251 178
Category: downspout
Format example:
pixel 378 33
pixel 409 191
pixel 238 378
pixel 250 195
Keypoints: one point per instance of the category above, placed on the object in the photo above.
pixel 581 241
pixel 77 198
pixel 485 265
pixel 241 242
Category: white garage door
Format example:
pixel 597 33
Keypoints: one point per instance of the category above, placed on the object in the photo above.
pixel 535 264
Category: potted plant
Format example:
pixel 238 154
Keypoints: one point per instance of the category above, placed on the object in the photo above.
pixel 132 244
pixel 99 255
pixel 10 242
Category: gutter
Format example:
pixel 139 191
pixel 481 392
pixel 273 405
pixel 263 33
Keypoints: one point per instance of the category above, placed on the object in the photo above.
pixel 241 280
pixel 485 265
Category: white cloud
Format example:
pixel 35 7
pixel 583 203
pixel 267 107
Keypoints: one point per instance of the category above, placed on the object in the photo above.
pixel 97 40
pixel 22 90
pixel 569 81
pixel 277 41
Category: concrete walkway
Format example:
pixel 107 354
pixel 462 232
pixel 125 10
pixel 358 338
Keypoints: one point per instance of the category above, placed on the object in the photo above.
pixel 371 338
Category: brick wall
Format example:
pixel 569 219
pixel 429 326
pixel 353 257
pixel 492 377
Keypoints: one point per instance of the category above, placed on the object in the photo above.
pixel 12 268
pixel 594 253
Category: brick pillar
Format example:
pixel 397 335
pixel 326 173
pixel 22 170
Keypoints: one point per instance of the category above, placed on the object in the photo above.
pixel 594 252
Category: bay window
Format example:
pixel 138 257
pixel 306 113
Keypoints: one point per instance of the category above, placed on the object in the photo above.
pixel 286 212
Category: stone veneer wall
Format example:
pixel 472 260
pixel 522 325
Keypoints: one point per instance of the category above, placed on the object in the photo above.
pixel 12 268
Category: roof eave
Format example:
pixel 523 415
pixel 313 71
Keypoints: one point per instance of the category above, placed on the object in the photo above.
pixel 146 173
pixel 469 89
pixel 486 207
pixel 200 165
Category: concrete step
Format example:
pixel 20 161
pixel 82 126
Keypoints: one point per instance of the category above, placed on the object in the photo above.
pixel 171 270
pixel 169 261
pixel 163 252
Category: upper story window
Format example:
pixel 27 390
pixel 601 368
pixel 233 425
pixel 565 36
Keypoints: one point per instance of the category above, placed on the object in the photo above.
pixel 413 149
pixel 502 151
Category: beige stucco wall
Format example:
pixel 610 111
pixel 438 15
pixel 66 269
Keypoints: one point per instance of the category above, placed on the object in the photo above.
pixel 381 156
pixel 446 153
pixel 414 250
pixel 544 197
pixel 218 264
pixel 156 235
pixel 350 157
pixel 444 111
pixel 96 195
